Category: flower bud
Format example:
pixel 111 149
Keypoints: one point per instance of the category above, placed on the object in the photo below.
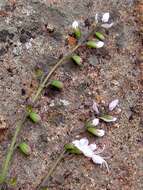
pixel 57 84
pixel 96 132
pixel 108 118
pixel 72 149
pixel 25 148
pixel 99 36
pixel 34 117
pixel 95 44
pixel 77 59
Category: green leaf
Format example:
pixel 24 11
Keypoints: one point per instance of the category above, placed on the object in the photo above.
pixel 34 117
pixel 57 84
pixel 77 33
pixel 72 149
pixel 107 118
pixel 77 59
pixel 99 36
pixel 24 148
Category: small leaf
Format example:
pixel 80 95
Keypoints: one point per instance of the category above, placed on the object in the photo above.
pixel 108 118
pixel 77 33
pixel 24 148
pixel 77 59
pixel 72 149
pixel 34 117
pixel 99 36
pixel 95 44
pixel 57 84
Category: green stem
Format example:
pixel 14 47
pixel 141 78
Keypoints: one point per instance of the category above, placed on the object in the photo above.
pixel 19 125
pixel 45 179
pixel 11 150
pixel 6 164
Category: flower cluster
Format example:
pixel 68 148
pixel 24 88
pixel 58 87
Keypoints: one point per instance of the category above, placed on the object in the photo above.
pixel 90 150
pixel 105 22
pixel 82 146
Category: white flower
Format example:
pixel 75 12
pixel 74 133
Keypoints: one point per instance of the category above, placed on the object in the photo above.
pixel 83 146
pixel 113 104
pixel 106 25
pixel 75 24
pixel 89 151
pixel 105 17
pixel 95 107
pixel 93 146
pixel 100 160
pixel 95 122
pixel 100 132
pixel 99 44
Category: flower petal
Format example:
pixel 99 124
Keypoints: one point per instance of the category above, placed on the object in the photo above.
pixel 96 17
pixel 99 44
pixel 75 24
pixel 95 122
pixel 97 159
pixel 93 146
pixel 113 104
pixel 84 142
pixel 100 132
pixel 106 25
pixel 95 107
pixel 87 151
pixel 105 17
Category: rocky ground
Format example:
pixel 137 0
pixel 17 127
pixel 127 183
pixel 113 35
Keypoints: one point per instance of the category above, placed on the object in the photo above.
pixel 108 73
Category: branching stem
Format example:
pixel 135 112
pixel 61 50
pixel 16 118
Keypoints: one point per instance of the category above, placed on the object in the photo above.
pixel 6 164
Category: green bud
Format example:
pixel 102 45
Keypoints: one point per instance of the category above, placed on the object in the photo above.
pixel 57 84
pixel 77 33
pixel 92 130
pixel 24 148
pixel 96 132
pixel 99 36
pixel 88 124
pixel 77 59
pixel 95 44
pixel 34 117
pixel 72 149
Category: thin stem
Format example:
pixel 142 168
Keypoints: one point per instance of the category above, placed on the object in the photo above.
pixel 19 125
pixel 51 170
pixel 42 85
pixel 11 150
